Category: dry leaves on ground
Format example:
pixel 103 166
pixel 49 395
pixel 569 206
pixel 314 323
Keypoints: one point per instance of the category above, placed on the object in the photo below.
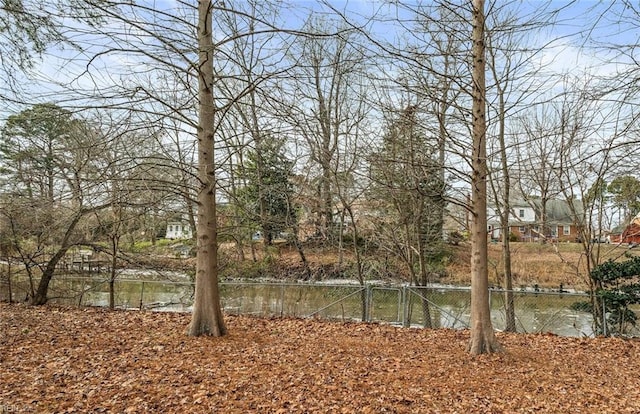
pixel 56 359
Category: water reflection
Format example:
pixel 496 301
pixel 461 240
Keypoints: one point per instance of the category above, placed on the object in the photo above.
pixel 437 307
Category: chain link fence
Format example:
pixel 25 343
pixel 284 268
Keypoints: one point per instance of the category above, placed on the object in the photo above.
pixel 561 313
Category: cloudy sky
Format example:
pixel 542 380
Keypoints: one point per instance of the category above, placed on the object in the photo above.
pixel 572 43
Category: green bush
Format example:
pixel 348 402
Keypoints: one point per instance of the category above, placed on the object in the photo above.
pixel 619 290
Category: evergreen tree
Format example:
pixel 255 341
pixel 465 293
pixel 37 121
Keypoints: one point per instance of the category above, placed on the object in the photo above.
pixel 52 177
pixel 626 195
pixel 618 290
pixel 409 192
pixel 267 199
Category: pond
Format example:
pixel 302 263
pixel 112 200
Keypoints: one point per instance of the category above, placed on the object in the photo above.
pixel 446 306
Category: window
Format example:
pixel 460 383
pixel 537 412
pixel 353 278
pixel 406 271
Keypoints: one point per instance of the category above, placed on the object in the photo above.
pixel 170 228
pixel 522 229
pixel 566 230
pixel 521 213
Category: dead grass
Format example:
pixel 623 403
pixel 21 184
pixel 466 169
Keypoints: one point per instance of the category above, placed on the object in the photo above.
pixel 545 265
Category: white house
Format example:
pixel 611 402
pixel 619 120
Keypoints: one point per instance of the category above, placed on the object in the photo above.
pixel 521 214
pixel 178 230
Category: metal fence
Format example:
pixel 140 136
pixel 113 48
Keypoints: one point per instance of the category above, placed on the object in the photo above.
pixel 561 313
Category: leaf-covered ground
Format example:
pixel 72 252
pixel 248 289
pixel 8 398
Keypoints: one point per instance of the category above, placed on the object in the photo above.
pixel 91 360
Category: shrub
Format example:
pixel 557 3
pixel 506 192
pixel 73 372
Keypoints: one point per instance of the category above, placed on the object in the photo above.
pixel 619 290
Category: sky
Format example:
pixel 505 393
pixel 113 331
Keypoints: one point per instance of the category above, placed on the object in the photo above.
pixel 567 45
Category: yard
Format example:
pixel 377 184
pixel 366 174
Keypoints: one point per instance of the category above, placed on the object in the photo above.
pixel 56 359
pixel 546 265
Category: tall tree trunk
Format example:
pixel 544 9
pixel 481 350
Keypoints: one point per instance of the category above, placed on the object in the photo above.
pixel 327 202
pixel 483 339
pixel 299 247
pixel 509 307
pixel 207 316
pixel 303 257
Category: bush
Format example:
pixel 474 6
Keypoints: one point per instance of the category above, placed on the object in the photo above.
pixel 619 291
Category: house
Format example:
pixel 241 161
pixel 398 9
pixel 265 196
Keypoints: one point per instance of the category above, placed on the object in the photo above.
pixel 525 221
pixel 522 220
pixel 630 234
pixel 177 230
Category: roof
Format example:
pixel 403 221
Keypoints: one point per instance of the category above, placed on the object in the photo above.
pixel 560 211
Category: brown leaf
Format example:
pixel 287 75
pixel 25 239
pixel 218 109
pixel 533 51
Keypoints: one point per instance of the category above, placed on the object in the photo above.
pixel 57 359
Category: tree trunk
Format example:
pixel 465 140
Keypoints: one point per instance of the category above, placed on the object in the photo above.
pixel 509 306
pixel 546 230
pixel 9 288
pixel 32 288
pixel 207 316
pixel 300 250
pixel 422 262
pixel 358 257
pixel 115 239
pixel 40 297
pixel 483 338
pixel 505 210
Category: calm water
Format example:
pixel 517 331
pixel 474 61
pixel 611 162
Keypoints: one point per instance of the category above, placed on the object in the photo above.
pixel 402 305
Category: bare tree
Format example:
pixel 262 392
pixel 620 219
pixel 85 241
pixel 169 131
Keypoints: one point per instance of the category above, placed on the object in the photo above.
pixel 207 316
pixel 323 106
pixel 159 43
pixel 539 160
pixel 483 339
pixel 514 83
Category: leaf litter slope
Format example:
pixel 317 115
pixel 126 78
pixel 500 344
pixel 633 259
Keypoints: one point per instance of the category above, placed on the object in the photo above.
pixel 55 359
